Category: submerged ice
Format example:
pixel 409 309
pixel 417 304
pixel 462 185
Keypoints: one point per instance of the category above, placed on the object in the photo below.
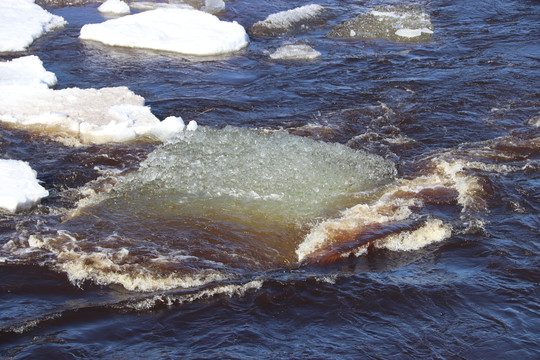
pixel 392 22
pixel 244 173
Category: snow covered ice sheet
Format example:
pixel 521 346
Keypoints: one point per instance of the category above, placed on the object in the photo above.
pixel 75 116
pixel 22 21
pixel 189 32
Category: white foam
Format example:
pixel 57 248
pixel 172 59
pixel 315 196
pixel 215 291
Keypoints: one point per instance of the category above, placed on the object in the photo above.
pixel 116 7
pixel 434 230
pixel 22 21
pixel 19 186
pixel 25 71
pixel 295 52
pixel 189 32
pixel 105 266
pixel 285 21
pixel 169 300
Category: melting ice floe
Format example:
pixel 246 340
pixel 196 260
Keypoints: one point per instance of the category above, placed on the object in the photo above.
pixel 286 21
pixel 116 7
pixel 189 32
pixel 75 116
pixel 392 22
pixel 19 187
pixel 295 52
pixel 209 6
pixel 22 21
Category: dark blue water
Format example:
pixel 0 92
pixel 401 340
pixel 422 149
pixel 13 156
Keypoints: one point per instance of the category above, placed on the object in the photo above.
pixel 470 98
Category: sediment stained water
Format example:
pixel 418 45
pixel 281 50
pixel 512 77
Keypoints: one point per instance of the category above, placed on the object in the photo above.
pixel 381 201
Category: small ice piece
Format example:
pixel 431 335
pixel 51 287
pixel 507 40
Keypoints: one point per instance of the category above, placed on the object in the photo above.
pixel 295 52
pixel 147 5
pixel 214 6
pixel 116 7
pixel 19 186
pixel 22 21
pixel 25 71
pixel 168 127
pixel 189 32
pixel 192 126
pixel 286 21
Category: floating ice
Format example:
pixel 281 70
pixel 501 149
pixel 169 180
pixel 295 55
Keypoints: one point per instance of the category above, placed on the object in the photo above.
pixel 22 21
pixel 25 71
pixel 189 32
pixel 116 7
pixel 286 21
pixel 209 6
pixel 392 22
pixel 213 6
pixel 19 187
pixel 147 5
pixel 295 52
pixel 75 116
pixel 83 116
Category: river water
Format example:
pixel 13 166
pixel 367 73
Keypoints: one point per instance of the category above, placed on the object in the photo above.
pixel 381 201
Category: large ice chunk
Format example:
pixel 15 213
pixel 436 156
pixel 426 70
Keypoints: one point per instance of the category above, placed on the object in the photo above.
pixel 392 22
pixel 184 31
pixel 22 21
pixel 25 71
pixel 286 21
pixel 19 187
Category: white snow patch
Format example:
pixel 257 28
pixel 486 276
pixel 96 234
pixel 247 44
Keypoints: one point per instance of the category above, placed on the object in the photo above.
pixel 295 52
pixel 22 21
pixel 189 32
pixel 116 7
pixel 25 71
pixel 19 187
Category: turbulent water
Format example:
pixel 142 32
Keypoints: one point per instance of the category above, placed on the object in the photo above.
pixel 379 201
